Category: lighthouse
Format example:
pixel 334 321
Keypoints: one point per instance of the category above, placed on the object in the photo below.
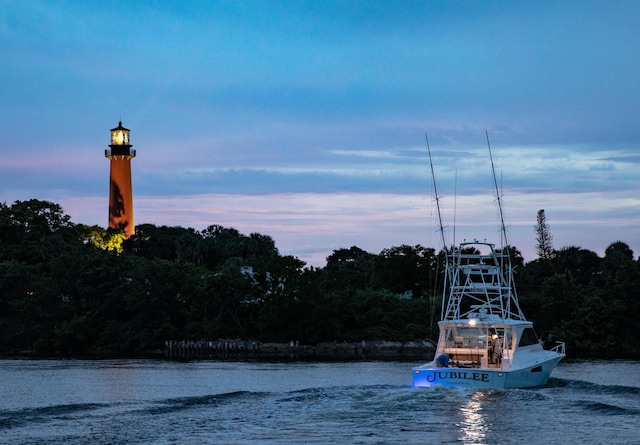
pixel 120 191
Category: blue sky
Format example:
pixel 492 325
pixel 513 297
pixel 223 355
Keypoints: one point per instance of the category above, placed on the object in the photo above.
pixel 306 120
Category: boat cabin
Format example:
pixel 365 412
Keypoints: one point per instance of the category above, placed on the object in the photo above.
pixel 471 344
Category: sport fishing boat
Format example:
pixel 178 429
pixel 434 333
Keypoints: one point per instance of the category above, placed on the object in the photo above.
pixel 484 339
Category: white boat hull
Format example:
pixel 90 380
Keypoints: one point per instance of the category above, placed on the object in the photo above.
pixel 487 378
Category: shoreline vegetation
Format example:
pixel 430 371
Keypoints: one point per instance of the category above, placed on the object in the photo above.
pixel 72 290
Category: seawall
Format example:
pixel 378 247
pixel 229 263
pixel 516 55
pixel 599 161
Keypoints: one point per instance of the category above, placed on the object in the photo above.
pixel 251 349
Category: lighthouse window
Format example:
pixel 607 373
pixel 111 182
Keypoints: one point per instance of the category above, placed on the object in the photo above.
pixel 119 137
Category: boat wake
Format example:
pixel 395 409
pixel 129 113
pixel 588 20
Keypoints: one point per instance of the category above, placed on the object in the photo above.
pixel 589 387
pixel 607 409
pixel 351 414
pixel 16 418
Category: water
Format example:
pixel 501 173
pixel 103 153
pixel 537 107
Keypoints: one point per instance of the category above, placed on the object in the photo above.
pixel 208 402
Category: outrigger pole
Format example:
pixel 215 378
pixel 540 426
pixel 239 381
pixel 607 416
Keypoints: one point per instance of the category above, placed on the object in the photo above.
pixel 435 190
pixel 503 228
pixel 447 277
pixel 506 249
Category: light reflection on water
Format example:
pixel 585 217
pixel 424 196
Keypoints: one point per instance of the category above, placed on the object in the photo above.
pixel 116 381
pixel 474 424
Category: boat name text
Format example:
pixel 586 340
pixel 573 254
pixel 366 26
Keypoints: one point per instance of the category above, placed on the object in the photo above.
pixel 457 375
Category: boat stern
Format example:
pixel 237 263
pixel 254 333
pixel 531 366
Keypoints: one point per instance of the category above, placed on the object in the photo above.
pixel 533 375
pixel 428 375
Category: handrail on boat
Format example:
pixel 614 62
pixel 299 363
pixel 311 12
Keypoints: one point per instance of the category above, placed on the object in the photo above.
pixel 559 347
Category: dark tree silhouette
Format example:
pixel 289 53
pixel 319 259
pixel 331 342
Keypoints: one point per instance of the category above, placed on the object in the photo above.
pixel 544 249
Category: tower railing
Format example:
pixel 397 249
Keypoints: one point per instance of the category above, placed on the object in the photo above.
pixel 120 151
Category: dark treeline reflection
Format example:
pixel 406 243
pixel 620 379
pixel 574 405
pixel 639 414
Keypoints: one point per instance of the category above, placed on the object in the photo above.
pixel 72 289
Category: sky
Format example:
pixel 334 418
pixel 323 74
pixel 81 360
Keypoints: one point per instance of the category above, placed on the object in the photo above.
pixel 307 120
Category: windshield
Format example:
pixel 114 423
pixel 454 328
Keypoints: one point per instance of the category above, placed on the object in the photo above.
pixel 481 337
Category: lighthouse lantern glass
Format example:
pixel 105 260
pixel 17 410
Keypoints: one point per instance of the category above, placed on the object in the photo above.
pixel 119 137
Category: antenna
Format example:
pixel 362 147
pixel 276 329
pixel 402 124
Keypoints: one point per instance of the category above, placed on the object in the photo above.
pixel 435 190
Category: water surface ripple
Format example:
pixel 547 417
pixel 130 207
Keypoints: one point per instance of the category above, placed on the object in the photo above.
pixel 208 402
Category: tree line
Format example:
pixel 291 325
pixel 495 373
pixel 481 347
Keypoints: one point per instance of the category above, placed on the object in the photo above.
pixel 70 288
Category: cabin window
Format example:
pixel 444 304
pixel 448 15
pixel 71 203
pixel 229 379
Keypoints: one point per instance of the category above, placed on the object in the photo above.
pixel 528 337
pixel 467 338
pixel 481 337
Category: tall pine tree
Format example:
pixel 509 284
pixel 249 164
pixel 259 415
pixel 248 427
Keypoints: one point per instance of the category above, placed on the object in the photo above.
pixel 544 249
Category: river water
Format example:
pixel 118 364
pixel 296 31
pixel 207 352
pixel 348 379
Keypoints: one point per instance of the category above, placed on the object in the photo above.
pixel 212 402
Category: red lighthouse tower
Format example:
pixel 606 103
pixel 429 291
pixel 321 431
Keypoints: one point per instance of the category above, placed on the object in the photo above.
pixel 120 191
